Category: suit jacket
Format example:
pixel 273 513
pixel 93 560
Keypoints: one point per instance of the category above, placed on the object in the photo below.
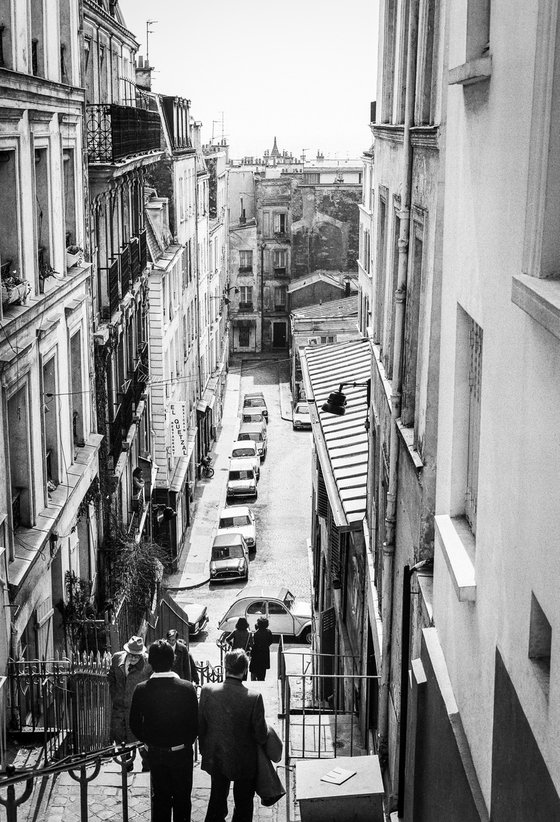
pixel 164 712
pixel 231 726
pixel 121 687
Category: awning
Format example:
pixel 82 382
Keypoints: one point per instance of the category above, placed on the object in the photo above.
pixel 209 396
pixel 201 405
pixel 341 441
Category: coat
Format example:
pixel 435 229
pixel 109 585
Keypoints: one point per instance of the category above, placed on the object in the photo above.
pixel 164 712
pixel 240 638
pixel 121 688
pixel 260 652
pixel 231 725
pixel 183 663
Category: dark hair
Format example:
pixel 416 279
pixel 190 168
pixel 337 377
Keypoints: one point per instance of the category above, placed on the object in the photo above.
pixel 242 624
pixel 161 656
pixel 262 622
pixel 236 662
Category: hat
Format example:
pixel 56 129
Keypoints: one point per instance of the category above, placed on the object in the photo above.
pixel 135 646
pixel 171 634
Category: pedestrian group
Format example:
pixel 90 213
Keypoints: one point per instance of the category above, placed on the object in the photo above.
pixel 154 701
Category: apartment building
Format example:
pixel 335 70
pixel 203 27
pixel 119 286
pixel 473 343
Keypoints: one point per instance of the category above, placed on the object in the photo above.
pixel 50 451
pixel 123 144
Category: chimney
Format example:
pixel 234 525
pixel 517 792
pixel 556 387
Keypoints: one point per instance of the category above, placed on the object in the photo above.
pixel 143 74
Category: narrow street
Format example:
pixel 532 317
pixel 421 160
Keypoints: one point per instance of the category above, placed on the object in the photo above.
pixel 282 510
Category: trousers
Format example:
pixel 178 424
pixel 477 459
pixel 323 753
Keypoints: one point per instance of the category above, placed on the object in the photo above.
pixel 243 793
pixel 172 776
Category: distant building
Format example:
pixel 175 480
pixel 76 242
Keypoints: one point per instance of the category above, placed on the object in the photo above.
pixel 306 222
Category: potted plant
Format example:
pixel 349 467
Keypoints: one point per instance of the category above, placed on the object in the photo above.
pixel 73 255
pixel 13 289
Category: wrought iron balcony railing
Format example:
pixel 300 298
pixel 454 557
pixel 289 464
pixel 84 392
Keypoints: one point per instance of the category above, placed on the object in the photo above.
pixel 123 272
pixel 115 132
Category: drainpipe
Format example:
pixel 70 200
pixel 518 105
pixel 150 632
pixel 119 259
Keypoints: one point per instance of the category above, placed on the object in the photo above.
pixel 398 337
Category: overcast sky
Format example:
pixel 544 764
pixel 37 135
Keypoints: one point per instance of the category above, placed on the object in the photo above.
pixel 303 70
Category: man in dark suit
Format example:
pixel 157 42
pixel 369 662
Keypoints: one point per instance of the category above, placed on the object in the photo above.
pixel 231 726
pixel 164 715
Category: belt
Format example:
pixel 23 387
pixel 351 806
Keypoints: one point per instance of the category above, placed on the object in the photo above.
pixel 167 750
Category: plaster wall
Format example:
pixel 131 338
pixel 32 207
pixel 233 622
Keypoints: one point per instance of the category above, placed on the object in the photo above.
pixel 518 518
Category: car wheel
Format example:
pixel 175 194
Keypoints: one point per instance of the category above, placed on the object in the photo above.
pixel 307 635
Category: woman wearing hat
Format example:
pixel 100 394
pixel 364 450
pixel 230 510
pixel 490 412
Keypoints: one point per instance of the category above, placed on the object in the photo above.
pixel 260 654
pixel 128 668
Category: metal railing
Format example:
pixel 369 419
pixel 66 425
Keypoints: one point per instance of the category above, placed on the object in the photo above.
pixel 61 705
pixel 77 767
pixel 115 132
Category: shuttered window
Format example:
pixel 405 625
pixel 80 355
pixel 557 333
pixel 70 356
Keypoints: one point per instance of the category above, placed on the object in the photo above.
pixel 475 381
pixel 334 548
pixel 380 272
pixel 322 499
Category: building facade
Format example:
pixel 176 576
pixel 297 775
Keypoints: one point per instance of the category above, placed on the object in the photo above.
pixel 123 143
pixel 50 451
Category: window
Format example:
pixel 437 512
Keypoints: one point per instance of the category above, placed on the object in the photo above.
pixel 310 178
pixel 5 35
pixel 276 608
pixel 257 608
pixel 411 334
pixel 245 261
pixel 280 297
pixel 391 300
pixel 426 71
pixel 50 418
pixel 380 270
pixel 69 197
pixel 19 443
pixel 540 643
pixel 279 259
pixel 77 397
pixel 246 297
pixel 475 381
pixel 280 223
pixel 478 28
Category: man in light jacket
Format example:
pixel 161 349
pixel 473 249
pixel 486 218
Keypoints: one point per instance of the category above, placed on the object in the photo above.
pixel 231 726
pixel 128 668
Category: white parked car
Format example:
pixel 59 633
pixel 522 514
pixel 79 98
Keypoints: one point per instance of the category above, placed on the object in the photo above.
pixel 239 520
pixel 242 479
pixel 247 449
pixel 300 416
pixel 229 559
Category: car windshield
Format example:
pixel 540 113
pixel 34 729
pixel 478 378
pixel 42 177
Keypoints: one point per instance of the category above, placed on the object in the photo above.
pixel 227 552
pixel 302 409
pixel 243 452
pixel 252 417
pixel 253 402
pixel 240 475
pixel 235 522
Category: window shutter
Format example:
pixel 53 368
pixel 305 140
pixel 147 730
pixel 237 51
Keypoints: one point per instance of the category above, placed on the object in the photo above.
pixel 334 546
pixel 322 499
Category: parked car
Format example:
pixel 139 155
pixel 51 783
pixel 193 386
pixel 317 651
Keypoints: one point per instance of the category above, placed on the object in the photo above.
pixel 197 617
pixel 253 415
pixel 300 416
pixel 242 479
pixel 230 558
pixel 255 431
pixel 285 614
pixel 239 520
pixel 255 400
pixel 247 449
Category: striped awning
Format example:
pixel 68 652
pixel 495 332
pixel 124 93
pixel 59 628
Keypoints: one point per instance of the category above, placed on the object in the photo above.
pixel 341 442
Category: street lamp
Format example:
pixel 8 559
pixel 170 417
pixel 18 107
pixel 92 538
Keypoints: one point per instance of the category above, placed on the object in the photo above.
pixel 336 403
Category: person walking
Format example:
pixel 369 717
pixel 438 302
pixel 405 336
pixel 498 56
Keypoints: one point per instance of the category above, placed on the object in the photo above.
pixel 164 716
pixel 128 668
pixel 232 725
pixel 183 663
pixel 260 651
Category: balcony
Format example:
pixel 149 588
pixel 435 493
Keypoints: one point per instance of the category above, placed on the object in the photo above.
pixel 123 272
pixel 245 306
pixel 115 132
pixel 281 271
pixel 245 269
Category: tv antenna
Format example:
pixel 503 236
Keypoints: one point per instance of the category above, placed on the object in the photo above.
pixel 148 32
pixel 221 122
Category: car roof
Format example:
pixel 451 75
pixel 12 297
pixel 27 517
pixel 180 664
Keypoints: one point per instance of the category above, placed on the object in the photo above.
pixel 243 444
pixel 251 427
pixel 241 463
pixel 235 510
pixel 265 591
pixel 228 539
pixel 254 394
